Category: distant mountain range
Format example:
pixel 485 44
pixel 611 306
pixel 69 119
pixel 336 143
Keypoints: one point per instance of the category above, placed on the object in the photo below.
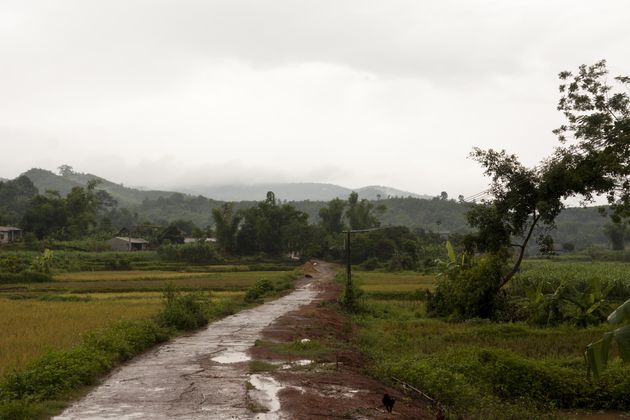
pixel 46 180
pixel 580 226
pixel 297 192
pixel 126 196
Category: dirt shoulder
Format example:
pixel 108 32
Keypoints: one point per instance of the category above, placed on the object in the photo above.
pixel 308 352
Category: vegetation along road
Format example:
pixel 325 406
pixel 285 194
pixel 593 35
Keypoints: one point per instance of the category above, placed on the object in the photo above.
pixel 202 375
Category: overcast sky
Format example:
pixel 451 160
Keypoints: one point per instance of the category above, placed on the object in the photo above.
pixel 164 93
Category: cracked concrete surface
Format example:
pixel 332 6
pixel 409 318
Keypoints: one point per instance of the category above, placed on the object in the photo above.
pixel 193 377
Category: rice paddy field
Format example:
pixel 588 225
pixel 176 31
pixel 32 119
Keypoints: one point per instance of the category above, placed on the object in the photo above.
pixel 38 317
pixel 483 369
pixel 130 281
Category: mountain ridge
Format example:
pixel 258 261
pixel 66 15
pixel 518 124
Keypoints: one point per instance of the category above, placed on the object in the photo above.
pixel 296 191
pixel 46 180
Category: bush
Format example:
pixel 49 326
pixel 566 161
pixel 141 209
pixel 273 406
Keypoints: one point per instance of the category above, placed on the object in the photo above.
pixel 370 264
pixel 14 263
pixel 197 253
pixel 43 263
pixel 182 311
pixel 18 410
pixel 469 292
pixel 57 373
pixel 117 263
pixel 261 288
pixel 25 277
pixel 349 299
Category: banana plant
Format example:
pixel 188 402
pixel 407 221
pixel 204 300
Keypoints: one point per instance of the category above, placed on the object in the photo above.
pixel 545 308
pixel 454 263
pixel 592 305
pixel 597 353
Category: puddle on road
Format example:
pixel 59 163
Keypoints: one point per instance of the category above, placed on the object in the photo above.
pixel 231 357
pixel 297 363
pixel 265 395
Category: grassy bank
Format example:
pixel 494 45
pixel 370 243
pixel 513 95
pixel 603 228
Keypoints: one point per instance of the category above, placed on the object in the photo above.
pixel 481 369
pixel 62 336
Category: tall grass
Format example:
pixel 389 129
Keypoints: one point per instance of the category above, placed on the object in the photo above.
pixel 615 275
pixel 30 328
pixel 481 369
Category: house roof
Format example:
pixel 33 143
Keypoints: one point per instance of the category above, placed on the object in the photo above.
pixel 132 240
pixel 8 229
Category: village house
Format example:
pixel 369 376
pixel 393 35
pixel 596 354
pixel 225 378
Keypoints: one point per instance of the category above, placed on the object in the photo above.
pixel 123 243
pixel 190 240
pixel 9 234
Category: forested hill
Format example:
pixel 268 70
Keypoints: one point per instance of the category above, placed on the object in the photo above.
pixel 46 180
pixel 581 227
pixel 299 191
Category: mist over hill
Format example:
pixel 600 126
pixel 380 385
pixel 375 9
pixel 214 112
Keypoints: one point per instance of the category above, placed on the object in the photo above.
pixel 46 180
pixel 298 191
pixel 580 226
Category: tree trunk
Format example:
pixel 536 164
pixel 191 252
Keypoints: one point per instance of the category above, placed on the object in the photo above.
pixel 521 254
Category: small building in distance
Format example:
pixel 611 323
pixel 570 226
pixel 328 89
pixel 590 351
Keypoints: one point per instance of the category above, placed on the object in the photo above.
pixel 9 234
pixel 189 240
pixel 125 243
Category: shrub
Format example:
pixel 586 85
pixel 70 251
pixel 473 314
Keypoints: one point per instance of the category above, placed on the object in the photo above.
pixel 24 277
pixel 349 299
pixel 55 374
pixel 117 263
pixel 197 253
pixel 370 264
pixel 261 288
pixel 14 263
pixel 182 311
pixel 470 292
pixel 18 410
pixel 43 263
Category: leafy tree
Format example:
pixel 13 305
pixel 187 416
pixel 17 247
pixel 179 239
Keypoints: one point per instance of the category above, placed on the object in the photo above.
pixel 273 228
pixel 594 160
pixel 596 135
pixel 616 233
pixel 362 214
pixel 14 198
pixel 45 216
pixel 65 170
pixel 171 234
pixel 331 216
pixel 82 205
pixel 226 226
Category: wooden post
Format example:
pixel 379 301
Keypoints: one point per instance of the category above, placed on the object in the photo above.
pixel 348 264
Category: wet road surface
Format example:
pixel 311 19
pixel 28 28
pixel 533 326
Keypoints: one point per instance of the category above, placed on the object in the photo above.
pixel 200 376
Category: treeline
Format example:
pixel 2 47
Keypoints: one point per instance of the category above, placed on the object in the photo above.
pixel 85 217
pixel 83 212
pixel 577 228
pixel 274 228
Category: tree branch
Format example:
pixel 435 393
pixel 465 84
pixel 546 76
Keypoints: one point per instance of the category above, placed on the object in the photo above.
pixel 521 253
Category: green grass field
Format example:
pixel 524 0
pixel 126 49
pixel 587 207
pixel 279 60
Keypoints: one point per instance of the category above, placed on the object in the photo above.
pixel 130 281
pixel 482 369
pixel 39 317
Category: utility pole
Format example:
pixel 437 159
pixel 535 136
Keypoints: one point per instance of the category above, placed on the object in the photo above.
pixel 349 297
pixel 348 265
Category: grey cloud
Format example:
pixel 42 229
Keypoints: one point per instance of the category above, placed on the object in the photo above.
pixel 449 40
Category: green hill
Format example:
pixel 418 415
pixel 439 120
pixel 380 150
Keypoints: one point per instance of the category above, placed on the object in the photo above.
pixel 46 180
pixel 580 226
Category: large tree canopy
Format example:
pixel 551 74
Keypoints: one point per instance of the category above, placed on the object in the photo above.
pixel 596 135
pixel 593 159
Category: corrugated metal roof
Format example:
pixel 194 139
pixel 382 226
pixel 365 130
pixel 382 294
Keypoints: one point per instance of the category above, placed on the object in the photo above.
pixel 132 240
pixel 8 228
